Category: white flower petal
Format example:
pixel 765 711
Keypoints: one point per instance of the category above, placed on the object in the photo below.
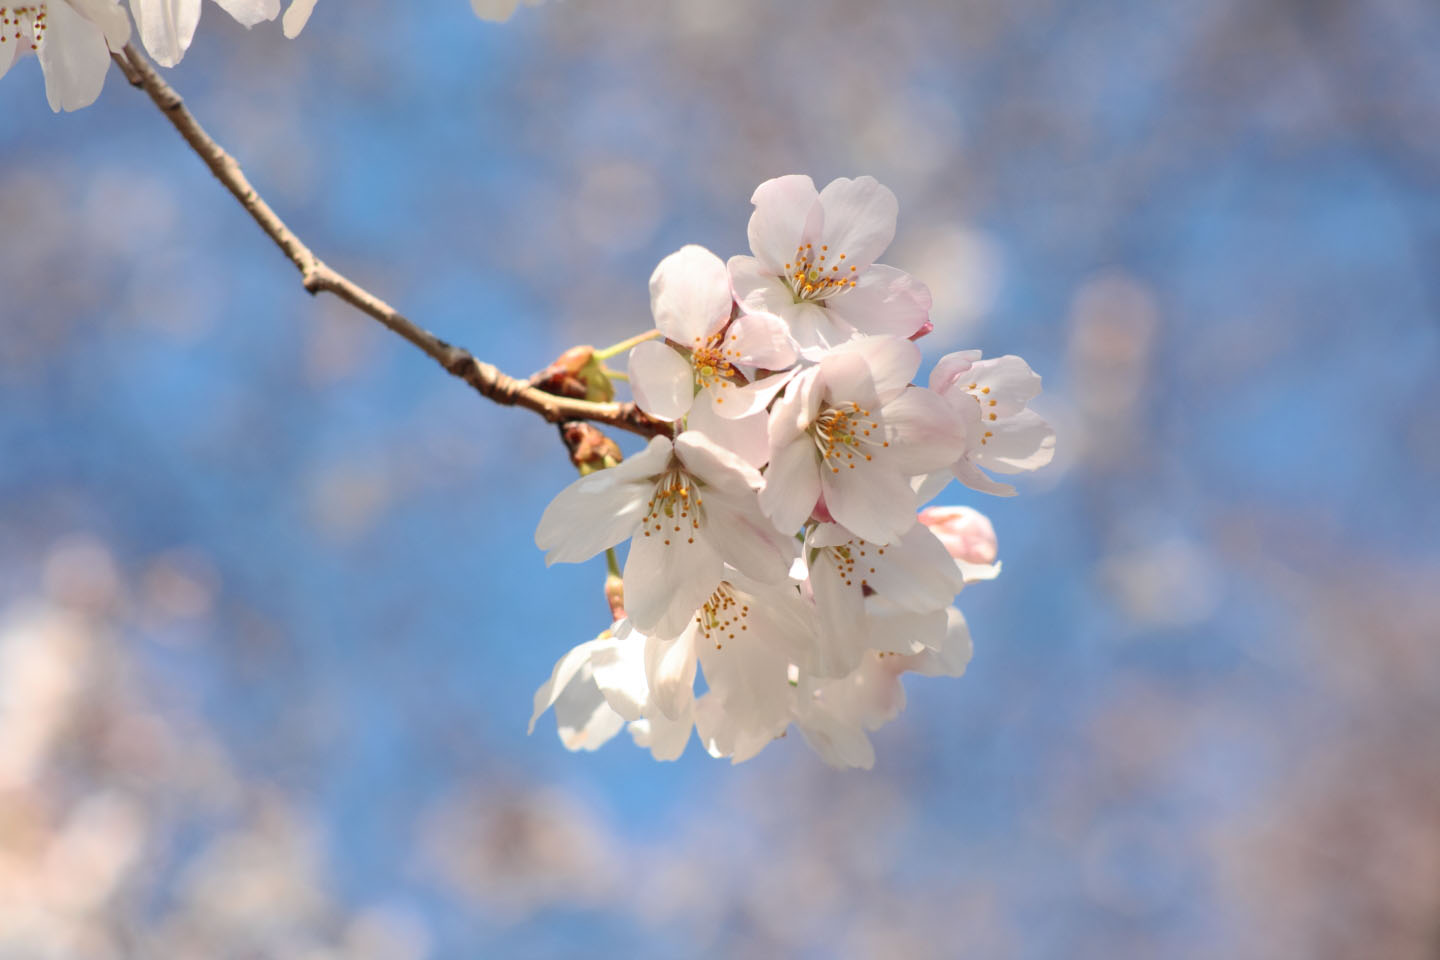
pixel 953 657
pixel 602 509
pixel 762 340
pixel 74 58
pixel 757 289
pixel 714 465
pixel 924 431
pixel 1018 444
pixel 690 295
pixel 618 669
pixel 561 675
pixel 860 217
pixel 787 213
pixel 840 608
pixel 976 479
pixel 662 380
pixel 670 669
pixel 952 369
pixel 109 16
pixel 666 582
pixel 250 12
pixel 893 362
pixel 1008 381
pixel 753 398
pixel 166 27
pixel 296 16
pixel 870 499
pixel 747 437
pixel 665 738
pixel 885 302
pixel 746 540
pixel 917 574
pixel 792 484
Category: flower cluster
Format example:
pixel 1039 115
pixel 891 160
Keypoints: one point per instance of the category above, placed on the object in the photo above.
pixel 775 543
pixel 73 39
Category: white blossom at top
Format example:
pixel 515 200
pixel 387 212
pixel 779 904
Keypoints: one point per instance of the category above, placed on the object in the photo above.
pixel 690 506
pixel 814 263
pixel 72 39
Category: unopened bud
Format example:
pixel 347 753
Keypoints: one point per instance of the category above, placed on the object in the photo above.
pixel 966 533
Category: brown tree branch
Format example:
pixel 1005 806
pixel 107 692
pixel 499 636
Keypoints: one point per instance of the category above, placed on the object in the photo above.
pixel 316 276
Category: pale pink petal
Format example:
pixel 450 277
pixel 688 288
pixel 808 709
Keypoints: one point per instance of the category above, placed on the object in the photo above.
pixel 755 287
pixel 885 302
pixel 1021 443
pixel 953 656
pixel 1005 385
pixel 753 398
pixel 951 369
pixel 787 213
pixel 250 12
pixel 714 465
pixel 747 437
pixel 690 295
pixel 814 329
pixel 670 667
pixel 661 379
pixel 916 574
pixel 976 479
pixel 859 220
pixel 847 379
pixel 746 540
pixel 893 362
pixel 792 484
pixel 870 500
pixel 840 608
pixel 967 534
pixel 762 340
pixel 796 410
pixel 924 432
pixel 109 16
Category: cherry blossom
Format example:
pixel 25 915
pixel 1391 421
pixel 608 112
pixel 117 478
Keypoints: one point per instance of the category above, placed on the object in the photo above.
pixel 1002 433
pixel 599 687
pixel 835 715
pixel 72 39
pixel 167 26
pixel 690 506
pixel 853 429
pixel 814 263
pixel 911 576
pixel 705 351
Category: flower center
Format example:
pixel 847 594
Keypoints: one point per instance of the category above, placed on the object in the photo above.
pixel 15 22
pixel 712 363
pixel 722 615
pixel 842 434
pixel 675 508
pixel 981 395
pixel 814 276
pixel 852 560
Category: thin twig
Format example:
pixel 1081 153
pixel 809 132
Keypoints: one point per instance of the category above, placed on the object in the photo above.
pixel 317 276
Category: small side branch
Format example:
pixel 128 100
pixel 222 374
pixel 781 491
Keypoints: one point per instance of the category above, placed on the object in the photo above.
pixel 316 277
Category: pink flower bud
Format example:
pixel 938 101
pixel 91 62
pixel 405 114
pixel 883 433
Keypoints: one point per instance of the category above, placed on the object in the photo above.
pixel 966 533
pixel 926 327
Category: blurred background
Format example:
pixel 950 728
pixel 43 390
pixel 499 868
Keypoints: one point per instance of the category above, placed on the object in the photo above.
pixel 271 616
